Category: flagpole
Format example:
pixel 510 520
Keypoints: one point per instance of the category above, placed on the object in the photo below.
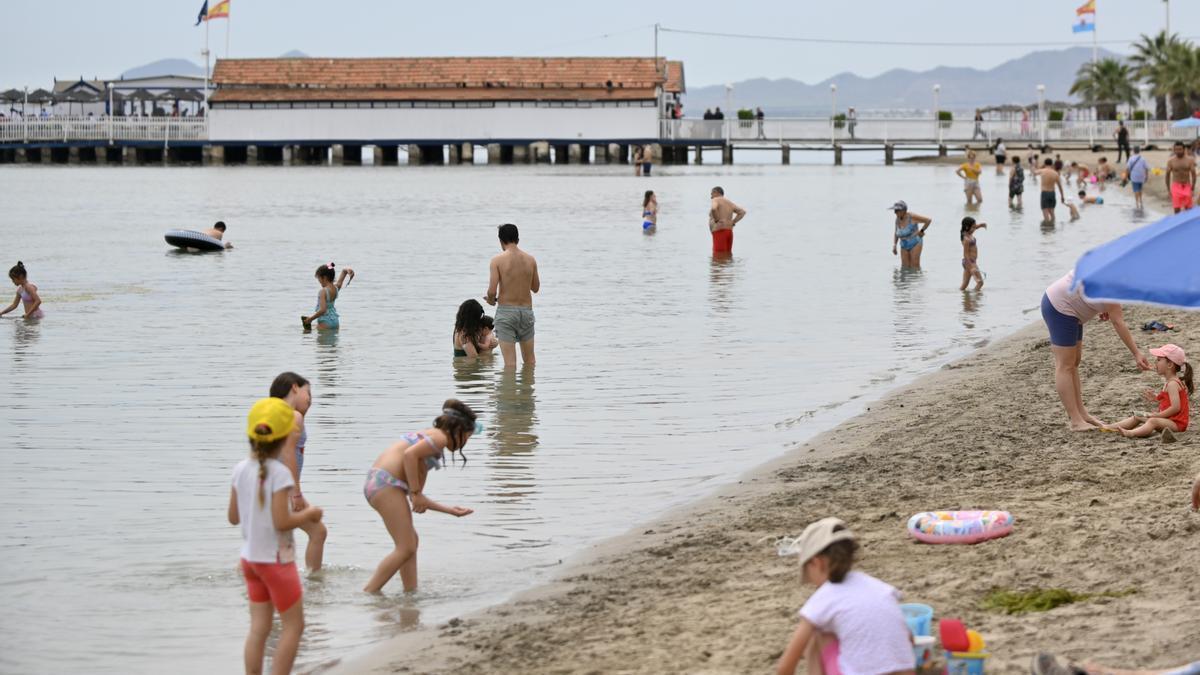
pixel 1095 42
pixel 206 66
pixel 228 23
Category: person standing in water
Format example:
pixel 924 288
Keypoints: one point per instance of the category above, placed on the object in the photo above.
pixel 970 260
pixel 294 390
pixel 26 293
pixel 723 215
pixel 910 239
pixel 969 171
pixel 512 283
pixel 1016 183
pixel 326 315
pixel 649 212
pixel 1050 180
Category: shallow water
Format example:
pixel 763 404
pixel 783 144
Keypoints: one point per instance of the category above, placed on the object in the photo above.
pixel 662 372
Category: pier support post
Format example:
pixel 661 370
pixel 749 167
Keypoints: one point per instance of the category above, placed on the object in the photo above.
pixel 837 154
pixel 575 154
pixel 287 155
pixel 612 153
pixel 727 153
pixel 129 155
pixel 787 154
pixel 941 150
pixel 466 154
pixel 540 152
pixel 20 157
pixel 889 154
pixel 252 154
pixel 562 154
pixel 72 155
pixel 337 155
pixel 494 152
pixel 699 154
pixel 455 153
pixel 414 155
pixel 520 154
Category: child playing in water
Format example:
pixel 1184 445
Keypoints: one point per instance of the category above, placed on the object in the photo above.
pixel 1085 199
pixel 326 314
pixel 649 211
pixel 852 623
pixel 399 475
pixel 26 292
pixel 258 501
pixel 1172 415
pixel 487 335
pixel 970 257
pixel 295 391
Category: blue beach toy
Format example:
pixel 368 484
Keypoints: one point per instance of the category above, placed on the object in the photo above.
pixel 918 617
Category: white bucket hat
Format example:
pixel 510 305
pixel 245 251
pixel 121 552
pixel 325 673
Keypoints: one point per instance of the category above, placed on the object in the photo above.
pixel 816 538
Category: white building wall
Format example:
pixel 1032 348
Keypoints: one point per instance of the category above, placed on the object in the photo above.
pixel 414 124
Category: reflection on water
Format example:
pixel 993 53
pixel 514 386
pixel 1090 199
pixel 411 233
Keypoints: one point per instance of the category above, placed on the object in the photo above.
pixel 722 275
pixel 971 302
pixel 327 361
pixel 25 335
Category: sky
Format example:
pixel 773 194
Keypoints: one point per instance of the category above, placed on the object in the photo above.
pixel 44 39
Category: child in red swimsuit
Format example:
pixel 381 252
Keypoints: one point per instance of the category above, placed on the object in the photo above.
pixel 1172 413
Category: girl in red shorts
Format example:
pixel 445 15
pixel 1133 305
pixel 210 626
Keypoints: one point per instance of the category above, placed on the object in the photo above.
pixel 260 502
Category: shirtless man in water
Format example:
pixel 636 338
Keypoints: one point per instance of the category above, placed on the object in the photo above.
pixel 722 216
pixel 218 232
pixel 1049 178
pixel 1181 178
pixel 514 280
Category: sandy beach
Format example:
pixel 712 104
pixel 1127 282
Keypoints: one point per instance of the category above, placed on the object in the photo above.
pixel 702 591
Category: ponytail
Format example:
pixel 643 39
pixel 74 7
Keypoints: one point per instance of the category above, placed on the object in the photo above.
pixel 263 451
pixel 1185 374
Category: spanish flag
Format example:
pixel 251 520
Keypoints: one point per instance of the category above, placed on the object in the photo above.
pixel 219 11
pixel 1088 7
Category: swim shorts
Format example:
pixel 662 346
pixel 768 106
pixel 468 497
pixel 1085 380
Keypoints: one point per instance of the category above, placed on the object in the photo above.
pixel 970 185
pixel 277 582
pixel 646 168
pixel 1000 159
pixel 646 225
pixel 723 240
pixel 514 324
pixel 1137 187
pixel 1181 195
pixel 1065 331
pixel 1015 189
pixel 1049 200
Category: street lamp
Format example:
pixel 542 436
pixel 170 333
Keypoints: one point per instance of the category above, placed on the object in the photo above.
pixel 728 108
pixel 832 112
pixel 937 112
pixel 1041 89
pixel 1145 105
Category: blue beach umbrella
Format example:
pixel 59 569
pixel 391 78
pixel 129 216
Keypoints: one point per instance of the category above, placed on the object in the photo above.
pixel 1187 122
pixel 1153 265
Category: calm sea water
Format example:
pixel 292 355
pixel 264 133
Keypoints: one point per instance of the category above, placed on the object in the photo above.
pixel 662 373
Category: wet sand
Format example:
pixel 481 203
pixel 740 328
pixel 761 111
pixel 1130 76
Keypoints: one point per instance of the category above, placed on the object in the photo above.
pixel 701 590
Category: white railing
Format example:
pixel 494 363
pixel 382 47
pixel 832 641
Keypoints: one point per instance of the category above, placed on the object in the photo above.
pixel 164 130
pixel 885 130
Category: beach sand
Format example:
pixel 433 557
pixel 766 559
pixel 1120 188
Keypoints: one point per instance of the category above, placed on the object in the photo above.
pixel 702 590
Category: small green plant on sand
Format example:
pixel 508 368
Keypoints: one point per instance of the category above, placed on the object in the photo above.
pixel 1041 599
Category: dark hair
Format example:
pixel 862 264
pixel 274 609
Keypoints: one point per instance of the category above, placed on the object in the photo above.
pixel 1179 143
pixel 18 271
pixel 1103 159
pixel 282 386
pixel 508 234
pixel 1016 159
pixel 719 190
pixel 487 322
pixel 469 320
pixel 646 199
pixel 841 555
pixel 967 224
pixel 262 452
pixel 458 421
pixel 1185 372
pixel 1083 193
pixel 220 225
pixel 1048 162
pixel 325 272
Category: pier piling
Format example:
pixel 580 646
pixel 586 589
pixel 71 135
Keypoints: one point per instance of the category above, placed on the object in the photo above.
pixel 889 154
pixel 727 153
pixel 787 154
pixel 837 154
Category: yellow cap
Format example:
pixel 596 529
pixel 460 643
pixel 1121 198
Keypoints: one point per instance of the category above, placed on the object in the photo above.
pixel 272 413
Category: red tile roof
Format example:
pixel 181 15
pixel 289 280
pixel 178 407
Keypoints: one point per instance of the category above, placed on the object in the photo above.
pixel 465 78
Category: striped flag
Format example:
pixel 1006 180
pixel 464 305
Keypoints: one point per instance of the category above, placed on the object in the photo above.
pixel 1088 7
pixel 1084 26
pixel 219 11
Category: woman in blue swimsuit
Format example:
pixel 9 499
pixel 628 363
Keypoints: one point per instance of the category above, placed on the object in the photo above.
pixel 326 315
pixel 649 212
pixel 908 235
pixel 399 475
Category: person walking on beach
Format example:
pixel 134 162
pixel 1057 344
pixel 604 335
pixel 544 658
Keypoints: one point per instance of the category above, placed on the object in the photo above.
pixel 399 476
pixel 1181 178
pixel 1050 180
pixel 326 314
pixel 723 215
pixel 1138 172
pixel 259 501
pixel 852 623
pixel 910 239
pixel 1122 135
pixel 851 121
pixel 1172 416
pixel 1065 310
pixel 295 391
pixel 758 115
pixel 649 212
pixel 26 293
pixel 512 283
pixel 1016 183
pixel 1001 157
pixel 970 259
pixel 970 171
pixel 1024 122
pixel 978 133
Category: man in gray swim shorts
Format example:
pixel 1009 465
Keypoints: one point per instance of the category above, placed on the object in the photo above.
pixel 513 281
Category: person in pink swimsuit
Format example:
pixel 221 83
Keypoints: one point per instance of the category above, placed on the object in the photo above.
pixel 26 293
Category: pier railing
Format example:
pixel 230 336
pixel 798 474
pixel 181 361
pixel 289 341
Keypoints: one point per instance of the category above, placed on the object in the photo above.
pixel 165 130
pixel 906 130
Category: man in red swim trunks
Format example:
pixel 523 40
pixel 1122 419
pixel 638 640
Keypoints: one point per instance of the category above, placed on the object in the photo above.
pixel 1181 178
pixel 723 215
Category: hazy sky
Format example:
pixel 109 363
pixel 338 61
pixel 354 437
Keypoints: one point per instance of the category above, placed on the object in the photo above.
pixel 43 39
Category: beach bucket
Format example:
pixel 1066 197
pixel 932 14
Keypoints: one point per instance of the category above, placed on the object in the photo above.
pixel 923 648
pixel 963 663
pixel 918 617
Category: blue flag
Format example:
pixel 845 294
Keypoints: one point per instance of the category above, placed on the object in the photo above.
pixel 203 13
pixel 1084 26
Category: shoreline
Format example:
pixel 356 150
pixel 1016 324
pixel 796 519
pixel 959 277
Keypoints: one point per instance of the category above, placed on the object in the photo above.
pixel 700 589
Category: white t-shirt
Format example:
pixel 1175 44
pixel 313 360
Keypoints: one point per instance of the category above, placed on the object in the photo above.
pixel 864 613
pixel 261 542
pixel 1001 150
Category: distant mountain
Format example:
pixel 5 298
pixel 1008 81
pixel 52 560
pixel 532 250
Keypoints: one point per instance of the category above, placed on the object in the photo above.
pixel 165 67
pixel 294 54
pixel 1014 81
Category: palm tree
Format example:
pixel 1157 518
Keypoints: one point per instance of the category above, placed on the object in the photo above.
pixel 1181 78
pixel 1149 57
pixel 1105 84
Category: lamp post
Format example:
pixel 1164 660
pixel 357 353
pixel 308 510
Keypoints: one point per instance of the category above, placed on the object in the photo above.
pixel 937 112
pixel 1041 89
pixel 832 113
pixel 1145 104
pixel 728 110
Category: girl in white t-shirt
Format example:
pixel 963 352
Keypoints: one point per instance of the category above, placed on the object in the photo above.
pixel 260 502
pixel 852 624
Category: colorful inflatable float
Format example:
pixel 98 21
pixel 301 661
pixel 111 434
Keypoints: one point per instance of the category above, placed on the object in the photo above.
pixel 960 527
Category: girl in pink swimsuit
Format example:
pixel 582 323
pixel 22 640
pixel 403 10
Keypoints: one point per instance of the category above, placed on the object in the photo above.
pixel 26 293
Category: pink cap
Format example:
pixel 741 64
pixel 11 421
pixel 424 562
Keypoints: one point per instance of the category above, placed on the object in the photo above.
pixel 1172 353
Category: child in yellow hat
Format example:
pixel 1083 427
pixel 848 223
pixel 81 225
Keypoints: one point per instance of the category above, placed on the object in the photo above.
pixel 268 554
